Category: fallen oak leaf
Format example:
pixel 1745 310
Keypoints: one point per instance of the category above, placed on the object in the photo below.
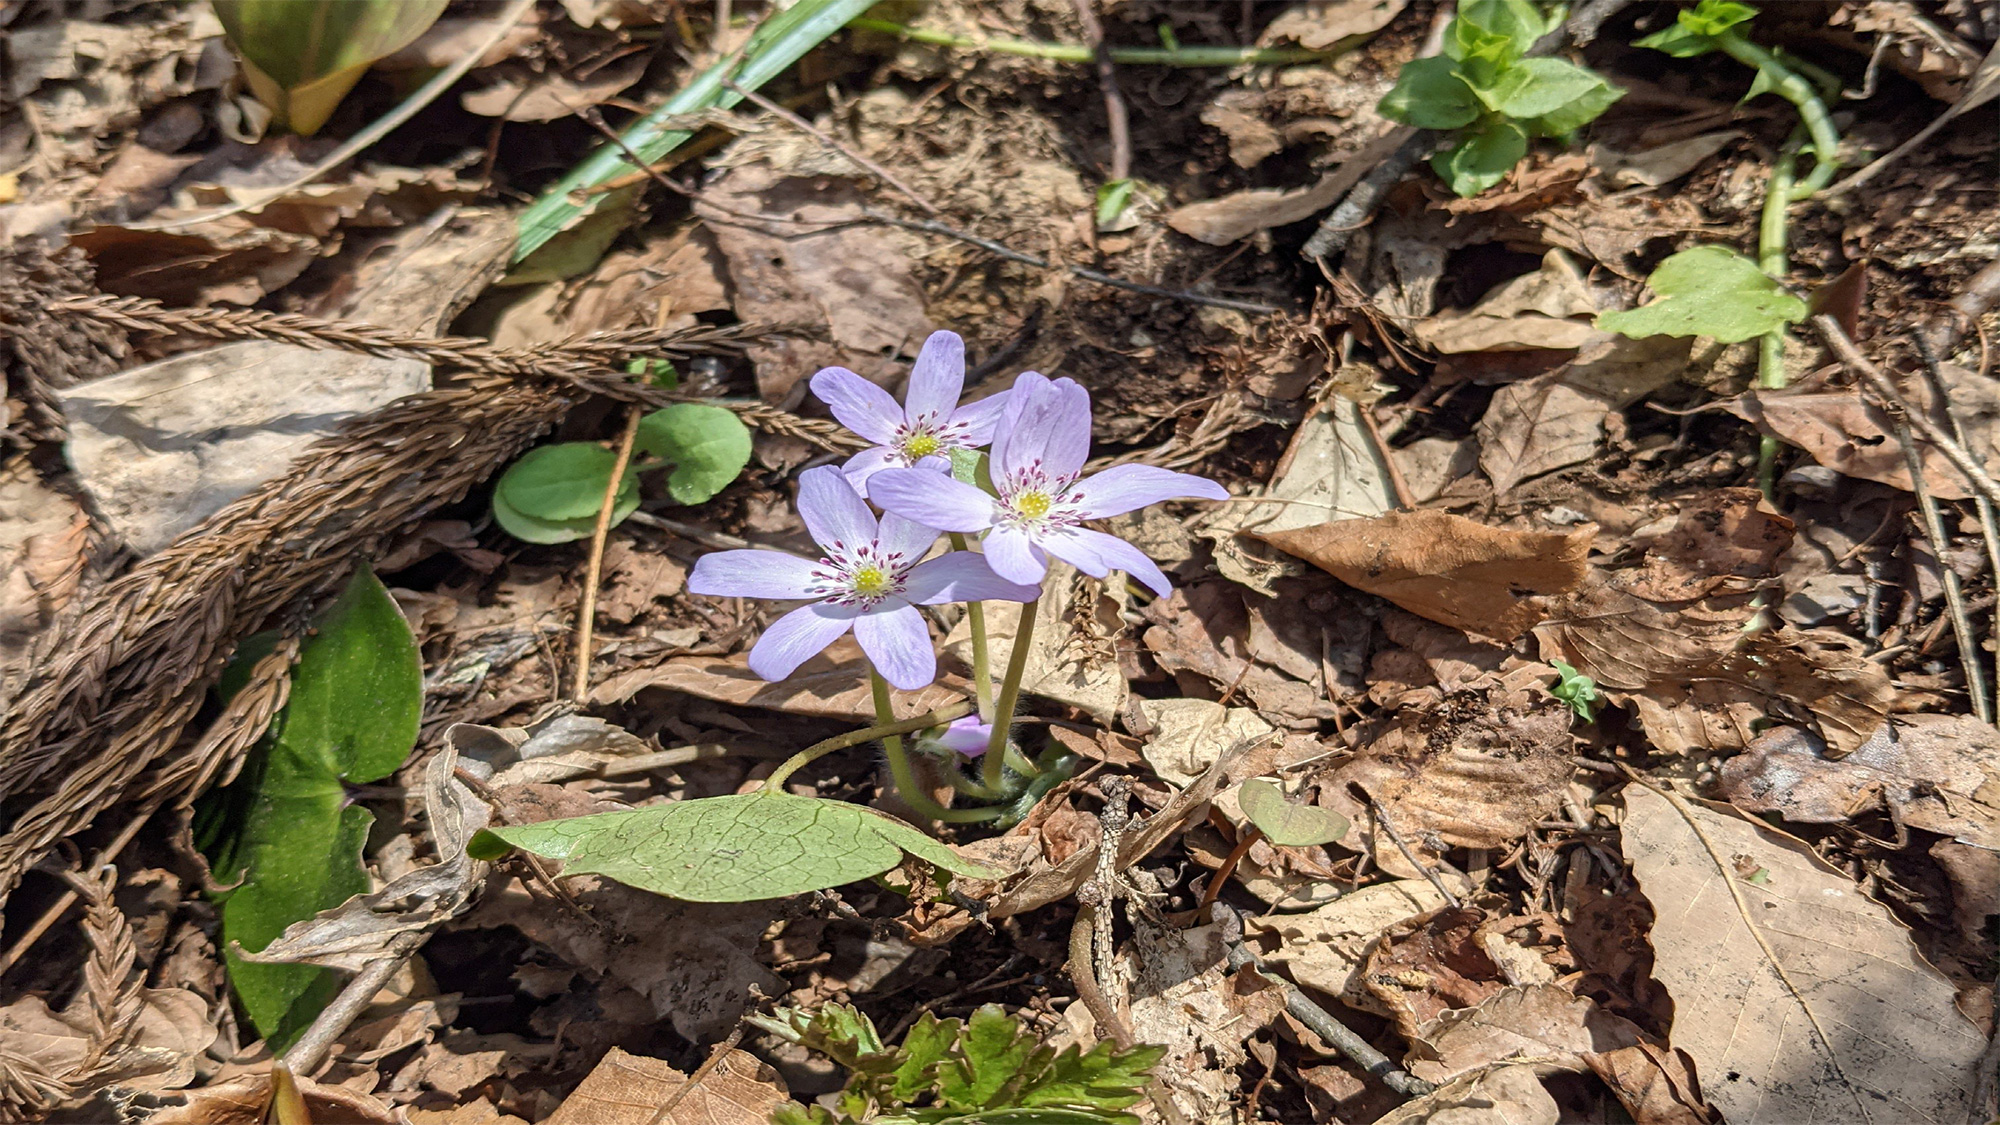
pixel 1484 580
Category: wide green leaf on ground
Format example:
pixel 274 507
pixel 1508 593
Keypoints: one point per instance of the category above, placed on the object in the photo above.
pixel 707 447
pixel 1708 291
pixel 729 849
pixel 1284 822
pixel 288 833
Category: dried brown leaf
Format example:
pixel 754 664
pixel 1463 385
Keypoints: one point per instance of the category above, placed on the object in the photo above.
pixel 831 685
pixel 1934 772
pixel 1327 947
pixel 1447 568
pixel 627 1089
pixel 1724 541
pixel 1503 1095
pixel 1799 998
pixel 1538 426
pixel 247 1101
pixel 1543 1024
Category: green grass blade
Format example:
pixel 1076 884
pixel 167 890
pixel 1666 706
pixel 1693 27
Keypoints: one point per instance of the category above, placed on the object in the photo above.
pixel 779 43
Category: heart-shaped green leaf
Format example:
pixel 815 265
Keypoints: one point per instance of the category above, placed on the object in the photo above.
pixel 706 445
pixel 729 849
pixel 1284 822
pixel 290 834
pixel 1430 95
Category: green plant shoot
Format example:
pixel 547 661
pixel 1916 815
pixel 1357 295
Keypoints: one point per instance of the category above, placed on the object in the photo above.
pixel 1491 96
pixel 284 836
pixel 1575 689
pixel 301 57
pixel 989 1069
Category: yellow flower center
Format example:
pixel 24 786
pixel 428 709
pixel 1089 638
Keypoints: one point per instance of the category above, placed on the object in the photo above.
pixel 921 445
pixel 871 581
pixel 1033 505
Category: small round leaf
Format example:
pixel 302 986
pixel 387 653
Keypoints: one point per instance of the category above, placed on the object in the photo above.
pixel 561 482
pixel 707 446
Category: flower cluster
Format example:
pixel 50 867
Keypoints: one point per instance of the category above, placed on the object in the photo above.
pixel 873 572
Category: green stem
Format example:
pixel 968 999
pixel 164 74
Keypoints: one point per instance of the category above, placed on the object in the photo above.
pixel 993 768
pixel 821 749
pixel 1019 763
pixel 1771 258
pixel 906 778
pixel 1128 56
pixel 1791 86
pixel 982 663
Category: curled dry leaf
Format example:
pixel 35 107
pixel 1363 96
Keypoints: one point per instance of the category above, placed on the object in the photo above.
pixel 1544 1024
pixel 1697 681
pixel 1799 998
pixel 1473 773
pixel 1074 658
pixel 1326 948
pixel 1724 541
pixel 247 1101
pixel 1237 640
pixel 1501 1095
pixel 1191 735
pixel 627 1089
pixel 1934 772
pixel 832 685
pixel 1447 568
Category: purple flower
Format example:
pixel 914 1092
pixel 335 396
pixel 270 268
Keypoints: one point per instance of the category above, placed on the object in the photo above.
pixel 968 736
pixel 1037 457
pixel 923 431
pixel 870 581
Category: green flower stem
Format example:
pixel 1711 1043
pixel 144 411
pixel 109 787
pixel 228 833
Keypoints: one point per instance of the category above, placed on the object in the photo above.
pixel 821 749
pixel 1129 56
pixel 993 768
pixel 1771 258
pixel 906 778
pixel 1794 88
pixel 1019 763
pixel 982 664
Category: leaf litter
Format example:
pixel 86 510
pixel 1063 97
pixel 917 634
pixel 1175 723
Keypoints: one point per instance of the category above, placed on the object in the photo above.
pixel 1457 490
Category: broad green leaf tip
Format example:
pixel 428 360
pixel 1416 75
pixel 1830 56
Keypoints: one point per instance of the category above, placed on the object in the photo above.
pixel 738 848
pixel 1708 291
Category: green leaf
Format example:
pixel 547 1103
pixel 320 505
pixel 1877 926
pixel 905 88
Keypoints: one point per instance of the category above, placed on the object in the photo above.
pixel 1575 689
pixel 994 1049
pixel 1489 36
pixel 528 529
pixel 302 56
pixel 1287 823
pixel 730 849
pixel 1483 158
pixel 925 1046
pixel 659 372
pixel 356 699
pixel 1708 291
pixel 1713 17
pixel 777 43
pixel 561 482
pixel 1534 87
pixel 1112 199
pixel 1578 113
pixel 1104 1078
pixel 708 447
pixel 1429 94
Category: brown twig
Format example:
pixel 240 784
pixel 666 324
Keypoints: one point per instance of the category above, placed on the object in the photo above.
pixel 1116 117
pixel 1389 829
pixel 305 1055
pixel 1851 357
pixel 820 135
pixel 1244 843
pixel 716 1055
pixel 593 573
pixel 1090 935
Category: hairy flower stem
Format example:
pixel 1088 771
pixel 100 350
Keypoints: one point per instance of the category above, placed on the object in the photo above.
pixel 1771 242
pixel 907 786
pixel 982 664
pixel 993 768
pixel 821 749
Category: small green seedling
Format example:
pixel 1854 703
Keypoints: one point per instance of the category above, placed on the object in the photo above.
pixel 1575 689
pixel 552 494
pixel 1708 291
pixel 989 1070
pixel 1285 822
pixel 1491 96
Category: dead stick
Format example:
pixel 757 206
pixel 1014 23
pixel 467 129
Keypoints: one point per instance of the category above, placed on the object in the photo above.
pixel 1880 383
pixel 305 1055
pixel 1115 114
pixel 594 573
pixel 1396 838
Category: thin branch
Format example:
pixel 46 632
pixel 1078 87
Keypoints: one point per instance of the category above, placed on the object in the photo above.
pixel 1851 357
pixel 1116 117
pixel 586 614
